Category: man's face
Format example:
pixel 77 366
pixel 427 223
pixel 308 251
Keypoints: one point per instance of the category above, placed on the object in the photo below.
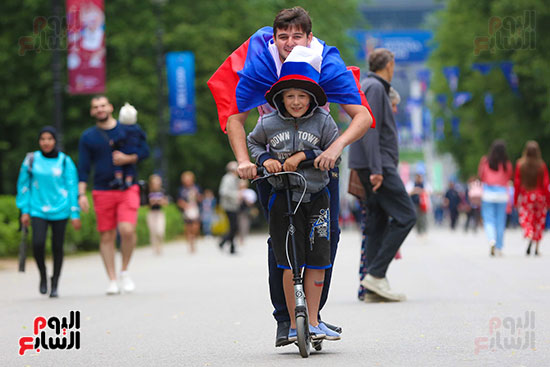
pixel 296 102
pixel 46 142
pixel 101 109
pixel 286 39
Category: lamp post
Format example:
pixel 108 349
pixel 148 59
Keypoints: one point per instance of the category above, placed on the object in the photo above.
pixel 162 132
pixel 56 70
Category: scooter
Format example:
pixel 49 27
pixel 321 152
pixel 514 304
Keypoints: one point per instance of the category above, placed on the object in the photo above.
pixel 304 341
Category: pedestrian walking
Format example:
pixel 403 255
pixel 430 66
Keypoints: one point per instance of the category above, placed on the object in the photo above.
pixel 189 202
pixel 390 213
pixel 452 203
pixel 420 199
pixel 248 198
pixel 156 218
pixel 230 202
pixel 494 171
pixel 47 195
pixel 532 194
pixel 115 209
pixel 474 191
pixel 208 211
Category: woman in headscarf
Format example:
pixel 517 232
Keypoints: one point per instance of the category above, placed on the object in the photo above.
pixel 47 195
pixel 531 193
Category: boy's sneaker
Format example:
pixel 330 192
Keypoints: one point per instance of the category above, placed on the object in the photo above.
pixel 334 328
pixel 381 287
pixel 127 283
pixel 292 335
pixel 315 332
pixel 113 288
pixel 330 335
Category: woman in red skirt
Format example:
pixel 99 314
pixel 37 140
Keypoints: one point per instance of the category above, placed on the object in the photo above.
pixel 531 193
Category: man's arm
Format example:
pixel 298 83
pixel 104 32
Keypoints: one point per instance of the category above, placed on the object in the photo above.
pixel 361 120
pixel 237 140
pixel 82 198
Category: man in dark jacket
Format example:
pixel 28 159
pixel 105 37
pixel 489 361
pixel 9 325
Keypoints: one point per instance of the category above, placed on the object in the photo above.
pixel 390 211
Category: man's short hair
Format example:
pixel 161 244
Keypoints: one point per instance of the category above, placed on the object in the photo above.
pixel 395 98
pixel 379 58
pixel 99 96
pixel 296 16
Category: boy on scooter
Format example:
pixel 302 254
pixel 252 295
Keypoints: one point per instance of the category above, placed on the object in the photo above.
pixel 297 131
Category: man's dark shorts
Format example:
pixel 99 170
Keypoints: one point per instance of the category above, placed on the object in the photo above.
pixel 312 223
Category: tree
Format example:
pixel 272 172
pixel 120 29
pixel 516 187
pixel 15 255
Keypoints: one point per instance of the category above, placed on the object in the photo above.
pixel 505 26
pixel 210 29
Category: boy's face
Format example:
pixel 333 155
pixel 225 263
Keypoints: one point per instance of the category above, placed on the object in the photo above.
pixel 296 102
pixel 286 39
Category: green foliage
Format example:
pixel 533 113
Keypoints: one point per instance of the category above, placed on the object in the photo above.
pixel 516 119
pixel 210 29
pixel 87 238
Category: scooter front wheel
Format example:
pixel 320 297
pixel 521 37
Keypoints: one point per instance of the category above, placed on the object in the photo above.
pixel 302 331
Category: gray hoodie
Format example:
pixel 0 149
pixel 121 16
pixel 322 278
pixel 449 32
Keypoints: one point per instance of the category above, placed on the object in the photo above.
pixel 311 134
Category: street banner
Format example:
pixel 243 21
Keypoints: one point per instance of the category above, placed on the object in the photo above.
pixel 461 98
pixel 180 69
pixel 483 67
pixel 407 46
pixel 455 126
pixel 86 46
pixel 489 102
pixel 507 68
pixel 451 74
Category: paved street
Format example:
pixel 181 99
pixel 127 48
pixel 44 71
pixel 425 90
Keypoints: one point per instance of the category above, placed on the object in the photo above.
pixel 213 309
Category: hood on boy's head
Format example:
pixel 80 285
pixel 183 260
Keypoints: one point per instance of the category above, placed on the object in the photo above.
pixel 127 114
pixel 280 106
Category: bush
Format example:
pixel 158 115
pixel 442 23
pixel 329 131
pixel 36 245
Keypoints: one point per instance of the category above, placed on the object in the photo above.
pixel 87 239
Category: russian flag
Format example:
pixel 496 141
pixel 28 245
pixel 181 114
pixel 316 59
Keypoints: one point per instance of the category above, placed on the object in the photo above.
pixel 241 82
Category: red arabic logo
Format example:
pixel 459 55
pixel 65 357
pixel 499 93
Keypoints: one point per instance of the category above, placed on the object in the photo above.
pixel 65 339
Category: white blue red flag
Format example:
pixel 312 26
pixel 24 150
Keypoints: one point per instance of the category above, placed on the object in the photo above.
pixel 243 79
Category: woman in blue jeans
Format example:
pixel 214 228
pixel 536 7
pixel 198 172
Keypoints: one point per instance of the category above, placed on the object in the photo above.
pixel 495 171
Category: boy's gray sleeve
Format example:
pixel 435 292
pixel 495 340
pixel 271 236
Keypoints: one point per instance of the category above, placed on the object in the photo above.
pixel 257 141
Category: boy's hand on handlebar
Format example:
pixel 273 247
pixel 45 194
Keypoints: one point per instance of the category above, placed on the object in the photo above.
pixel 273 165
pixel 292 162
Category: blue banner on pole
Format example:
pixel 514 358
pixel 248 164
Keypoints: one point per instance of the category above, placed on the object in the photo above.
pixel 180 68
pixel 407 45
pixel 483 67
pixel 489 102
pixel 451 74
pixel 460 98
pixel 439 128
pixel 507 68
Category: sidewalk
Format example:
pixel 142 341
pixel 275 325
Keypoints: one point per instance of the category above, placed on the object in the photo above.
pixel 213 309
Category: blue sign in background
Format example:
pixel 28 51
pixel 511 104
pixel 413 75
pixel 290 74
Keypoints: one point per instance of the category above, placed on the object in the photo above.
pixel 408 46
pixel 180 68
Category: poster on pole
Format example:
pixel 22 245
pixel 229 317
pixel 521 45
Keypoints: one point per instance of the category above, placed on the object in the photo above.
pixel 86 46
pixel 180 69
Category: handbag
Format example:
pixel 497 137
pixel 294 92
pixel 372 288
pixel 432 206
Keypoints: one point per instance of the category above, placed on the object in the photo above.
pixel 355 187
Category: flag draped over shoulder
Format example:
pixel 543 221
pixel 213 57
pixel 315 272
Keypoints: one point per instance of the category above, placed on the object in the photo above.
pixel 241 82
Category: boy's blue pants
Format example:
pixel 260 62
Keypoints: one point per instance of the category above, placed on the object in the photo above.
pixel 275 274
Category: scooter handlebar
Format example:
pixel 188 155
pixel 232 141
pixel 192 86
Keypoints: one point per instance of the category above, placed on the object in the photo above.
pixel 262 171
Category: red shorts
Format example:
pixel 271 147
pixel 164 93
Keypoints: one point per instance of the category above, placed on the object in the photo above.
pixel 115 206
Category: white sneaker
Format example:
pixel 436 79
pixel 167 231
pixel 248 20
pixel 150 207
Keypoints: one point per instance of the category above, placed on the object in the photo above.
pixel 126 282
pixel 381 287
pixel 113 288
